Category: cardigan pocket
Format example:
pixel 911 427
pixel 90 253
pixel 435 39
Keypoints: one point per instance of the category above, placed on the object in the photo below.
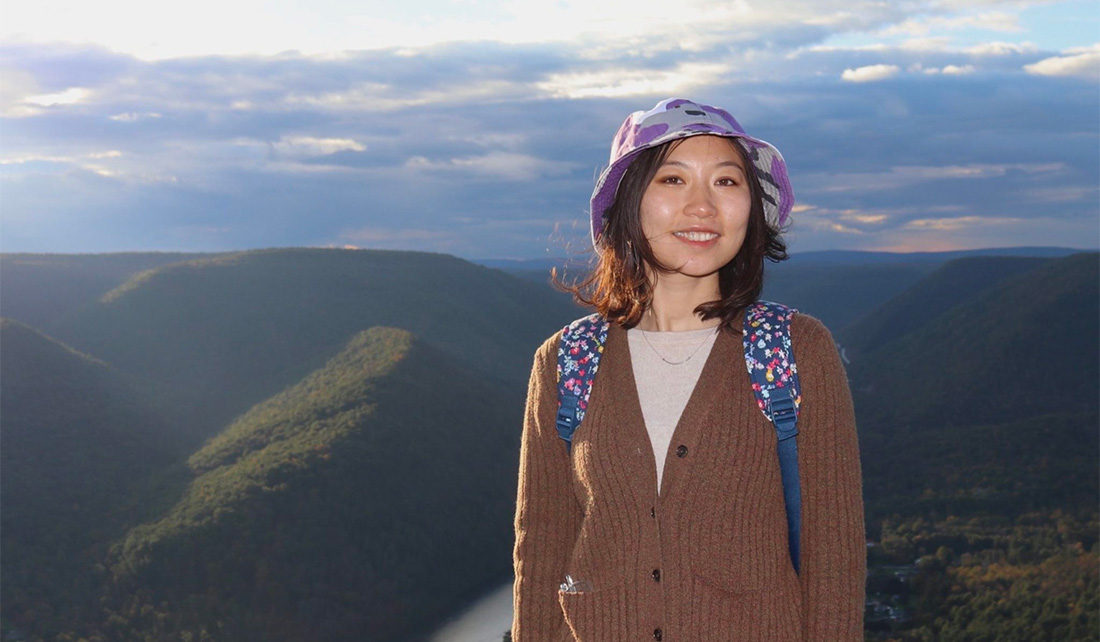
pixel 729 602
pixel 601 611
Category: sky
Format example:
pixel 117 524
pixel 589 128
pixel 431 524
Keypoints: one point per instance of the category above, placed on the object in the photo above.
pixel 477 128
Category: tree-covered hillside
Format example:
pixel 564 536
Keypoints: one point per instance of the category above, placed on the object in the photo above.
pixel 41 290
pixel 311 444
pixel 362 501
pixel 77 448
pixel 979 439
pixel 219 334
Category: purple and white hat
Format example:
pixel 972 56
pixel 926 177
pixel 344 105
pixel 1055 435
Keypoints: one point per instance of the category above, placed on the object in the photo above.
pixel 674 118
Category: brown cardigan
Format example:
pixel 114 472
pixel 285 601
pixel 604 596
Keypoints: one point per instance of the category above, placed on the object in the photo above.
pixel 706 560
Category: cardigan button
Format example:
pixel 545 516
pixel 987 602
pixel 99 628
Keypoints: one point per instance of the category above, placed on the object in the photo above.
pixel 656 575
pixel 682 451
pixel 652 512
pixel 656 634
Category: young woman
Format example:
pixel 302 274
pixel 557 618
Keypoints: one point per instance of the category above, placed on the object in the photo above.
pixel 665 519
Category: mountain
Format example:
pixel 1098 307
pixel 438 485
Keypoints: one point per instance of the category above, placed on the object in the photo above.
pixel 1021 347
pixel 978 402
pixel 42 289
pixel 77 446
pixel 217 335
pixel 364 502
pixel 322 444
pixel 950 284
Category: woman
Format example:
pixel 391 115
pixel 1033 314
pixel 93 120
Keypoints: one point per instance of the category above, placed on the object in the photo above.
pixel 666 518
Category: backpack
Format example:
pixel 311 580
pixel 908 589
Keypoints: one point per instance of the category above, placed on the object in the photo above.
pixel 769 360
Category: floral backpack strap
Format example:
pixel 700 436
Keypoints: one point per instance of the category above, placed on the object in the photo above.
pixel 771 365
pixel 578 359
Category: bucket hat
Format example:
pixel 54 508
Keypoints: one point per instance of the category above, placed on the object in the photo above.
pixel 675 118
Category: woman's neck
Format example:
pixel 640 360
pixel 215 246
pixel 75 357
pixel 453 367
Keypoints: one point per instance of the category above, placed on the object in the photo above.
pixel 674 303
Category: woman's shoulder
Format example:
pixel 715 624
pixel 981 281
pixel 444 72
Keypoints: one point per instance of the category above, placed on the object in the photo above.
pixel 814 345
pixel 548 349
pixel 808 326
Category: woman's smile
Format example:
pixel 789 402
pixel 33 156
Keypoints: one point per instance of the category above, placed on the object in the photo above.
pixel 696 237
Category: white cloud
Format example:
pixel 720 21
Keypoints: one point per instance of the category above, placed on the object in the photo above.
pixel 901 175
pixel 955 70
pixel 131 116
pixel 504 165
pixel 70 96
pixel 992 21
pixel 616 83
pixel 949 70
pixel 1001 48
pixel 1077 61
pixel 312 146
pixel 375 97
pixel 869 73
pixel 959 222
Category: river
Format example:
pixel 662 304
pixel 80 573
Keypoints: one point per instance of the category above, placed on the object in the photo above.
pixel 485 621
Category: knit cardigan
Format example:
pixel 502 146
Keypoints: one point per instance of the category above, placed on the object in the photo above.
pixel 707 558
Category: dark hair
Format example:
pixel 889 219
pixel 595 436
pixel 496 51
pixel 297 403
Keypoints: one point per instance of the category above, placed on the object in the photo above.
pixel 617 285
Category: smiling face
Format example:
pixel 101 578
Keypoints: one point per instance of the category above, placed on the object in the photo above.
pixel 695 210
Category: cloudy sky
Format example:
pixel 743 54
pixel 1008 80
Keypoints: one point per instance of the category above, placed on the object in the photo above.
pixel 477 128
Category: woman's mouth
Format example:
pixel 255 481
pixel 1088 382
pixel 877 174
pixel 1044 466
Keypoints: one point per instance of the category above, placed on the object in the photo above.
pixel 693 236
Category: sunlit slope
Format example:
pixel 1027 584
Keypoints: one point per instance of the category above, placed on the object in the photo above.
pixel 215 336
pixel 364 502
pixel 77 443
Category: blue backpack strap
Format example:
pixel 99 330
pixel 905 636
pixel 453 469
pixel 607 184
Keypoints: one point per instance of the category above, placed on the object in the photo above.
pixel 578 359
pixel 771 365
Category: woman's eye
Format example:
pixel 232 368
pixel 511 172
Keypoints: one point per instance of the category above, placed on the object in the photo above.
pixel 671 180
pixel 727 182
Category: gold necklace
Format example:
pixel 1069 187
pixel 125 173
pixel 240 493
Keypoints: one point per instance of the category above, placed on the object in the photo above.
pixel 676 363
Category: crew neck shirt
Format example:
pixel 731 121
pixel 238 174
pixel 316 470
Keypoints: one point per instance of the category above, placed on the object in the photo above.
pixel 665 388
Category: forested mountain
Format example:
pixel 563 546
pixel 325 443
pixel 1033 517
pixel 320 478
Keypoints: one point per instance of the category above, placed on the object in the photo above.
pixel 76 449
pixel 1020 347
pixel 365 501
pixel 42 290
pixel 322 444
pixel 219 334
pixel 197 344
pixel 979 439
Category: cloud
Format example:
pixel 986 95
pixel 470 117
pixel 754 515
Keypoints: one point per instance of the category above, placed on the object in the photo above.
pixel 488 144
pixel 1083 62
pixel 901 175
pixel 990 21
pixel 948 70
pixel 960 222
pixel 131 116
pixel 313 146
pixel 870 73
pixel 70 96
pixel 504 165
pixel 997 48
pixel 619 82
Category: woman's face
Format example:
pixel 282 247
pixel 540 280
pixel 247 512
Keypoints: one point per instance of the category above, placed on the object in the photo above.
pixel 695 211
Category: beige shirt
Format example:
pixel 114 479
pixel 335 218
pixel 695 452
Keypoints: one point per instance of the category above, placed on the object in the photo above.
pixel 664 388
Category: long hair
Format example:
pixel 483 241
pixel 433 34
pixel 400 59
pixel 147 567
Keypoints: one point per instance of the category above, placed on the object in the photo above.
pixel 618 286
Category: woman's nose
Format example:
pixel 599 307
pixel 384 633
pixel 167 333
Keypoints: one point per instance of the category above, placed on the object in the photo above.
pixel 700 201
